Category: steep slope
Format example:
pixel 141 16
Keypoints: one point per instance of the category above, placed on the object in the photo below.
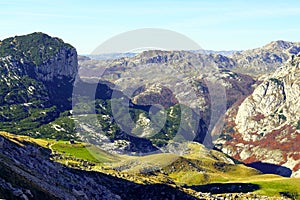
pixel 265 126
pixel 42 58
pixel 37 75
pixel 265 59
pixel 27 172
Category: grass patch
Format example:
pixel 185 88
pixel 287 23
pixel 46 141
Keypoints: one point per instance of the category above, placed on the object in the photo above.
pixel 282 186
pixel 83 151
pixel 191 178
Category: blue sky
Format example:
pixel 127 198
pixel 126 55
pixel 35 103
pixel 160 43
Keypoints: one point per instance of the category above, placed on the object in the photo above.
pixel 217 25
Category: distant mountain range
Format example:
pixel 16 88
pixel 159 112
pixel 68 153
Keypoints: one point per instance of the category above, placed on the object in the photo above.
pixel 254 61
pixel 111 56
pixel 244 103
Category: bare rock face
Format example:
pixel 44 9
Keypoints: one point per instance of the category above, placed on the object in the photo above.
pixel 38 56
pixel 62 65
pixel 266 125
pixel 41 64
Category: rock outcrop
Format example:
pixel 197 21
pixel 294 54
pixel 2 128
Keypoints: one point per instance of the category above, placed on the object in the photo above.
pixel 39 58
pixel 154 94
pixel 37 76
pixel 266 125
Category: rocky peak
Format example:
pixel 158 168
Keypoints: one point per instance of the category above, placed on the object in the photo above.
pixel 268 121
pixel 278 93
pixel 279 44
pixel 46 60
pixel 40 56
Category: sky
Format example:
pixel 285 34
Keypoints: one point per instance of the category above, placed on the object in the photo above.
pixel 213 24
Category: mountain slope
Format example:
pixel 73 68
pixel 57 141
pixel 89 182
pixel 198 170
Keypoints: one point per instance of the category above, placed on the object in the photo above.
pixel 265 59
pixel 29 173
pixel 37 75
pixel 266 125
pixel 120 113
pixel 203 82
pixel 42 58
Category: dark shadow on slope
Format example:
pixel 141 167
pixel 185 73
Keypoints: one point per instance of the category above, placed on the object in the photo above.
pixel 291 195
pixel 130 190
pixel 123 117
pixel 221 188
pixel 30 167
pixel 268 168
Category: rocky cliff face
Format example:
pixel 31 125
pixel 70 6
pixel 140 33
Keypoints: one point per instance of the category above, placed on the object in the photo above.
pixel 39 56
pixel 37 75
pixel 62 65
pixel 42 59
pixel 266 125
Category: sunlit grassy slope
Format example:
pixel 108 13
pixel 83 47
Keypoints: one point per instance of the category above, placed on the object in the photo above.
pixel 198 166
pixel 83 151
pixel 273 187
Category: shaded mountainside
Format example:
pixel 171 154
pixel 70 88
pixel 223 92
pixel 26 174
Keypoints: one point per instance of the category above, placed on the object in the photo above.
pixel 113 121
pixel 265 126
pixel 37 75
pixel 170 77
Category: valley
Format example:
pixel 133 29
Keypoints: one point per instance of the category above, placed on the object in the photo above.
pixel 152 125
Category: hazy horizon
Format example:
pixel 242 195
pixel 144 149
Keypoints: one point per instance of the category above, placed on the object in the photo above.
pixel 214 25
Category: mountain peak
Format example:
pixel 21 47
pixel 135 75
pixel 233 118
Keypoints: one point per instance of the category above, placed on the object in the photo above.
pixel 37 46
pixel 40 57
pixel 268 121
pixel 278 44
